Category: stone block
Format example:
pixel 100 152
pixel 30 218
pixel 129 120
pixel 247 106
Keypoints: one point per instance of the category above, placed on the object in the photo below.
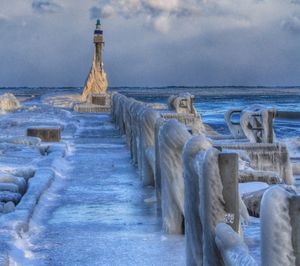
pixel 91 108
pixel 99 99
pixel 46 134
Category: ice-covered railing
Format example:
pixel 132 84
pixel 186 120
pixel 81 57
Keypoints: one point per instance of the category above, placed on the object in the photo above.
pixel 210 180
pixel 265 159
pixel 211 197
pixel 199 191
pixel 255 123
pixel 141 124
pixel 137 120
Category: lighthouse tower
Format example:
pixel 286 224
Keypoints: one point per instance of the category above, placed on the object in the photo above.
pixel 99 43
pixel 96 82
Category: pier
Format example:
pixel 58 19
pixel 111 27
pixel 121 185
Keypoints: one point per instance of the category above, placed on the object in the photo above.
pixel 101 214
pixel 143 184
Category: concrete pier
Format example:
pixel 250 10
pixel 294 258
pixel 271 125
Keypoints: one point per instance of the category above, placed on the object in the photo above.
pixel 100 214
pixel 104 194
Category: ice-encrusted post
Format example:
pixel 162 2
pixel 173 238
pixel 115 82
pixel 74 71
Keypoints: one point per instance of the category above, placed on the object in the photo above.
pixel 136 110
pixel 193 225
pixel 213 197
pixel 147 139
pixel 159 123
pixel 280 236
pixel 228 167
pixel 172 138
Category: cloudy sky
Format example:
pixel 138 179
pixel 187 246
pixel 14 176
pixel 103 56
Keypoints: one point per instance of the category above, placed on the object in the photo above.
pixel 151 42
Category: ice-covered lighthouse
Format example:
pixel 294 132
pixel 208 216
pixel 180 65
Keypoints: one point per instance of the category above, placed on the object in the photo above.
pixel 96 82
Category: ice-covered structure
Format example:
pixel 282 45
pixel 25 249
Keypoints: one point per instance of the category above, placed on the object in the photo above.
pixel 139 122
pixel 172 138
pixel 211 197
pixel 280 238
pixel 197 172
pixel 96 82
pixel 255 123
pixel 8 103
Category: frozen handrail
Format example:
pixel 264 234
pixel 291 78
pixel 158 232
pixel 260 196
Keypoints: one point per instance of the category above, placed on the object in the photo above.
pixel 280 232
pixel 211 197
pixel 172 138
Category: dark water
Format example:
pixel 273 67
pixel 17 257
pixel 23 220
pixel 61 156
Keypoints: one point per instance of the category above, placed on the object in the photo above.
pixel 211 102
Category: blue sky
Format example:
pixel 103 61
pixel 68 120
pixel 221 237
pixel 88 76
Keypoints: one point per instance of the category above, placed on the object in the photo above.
pixel 151 42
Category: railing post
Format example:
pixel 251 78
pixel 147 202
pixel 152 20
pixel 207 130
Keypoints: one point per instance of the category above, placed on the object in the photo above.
pixel 158 124
pixel 228 167
pixel 295 223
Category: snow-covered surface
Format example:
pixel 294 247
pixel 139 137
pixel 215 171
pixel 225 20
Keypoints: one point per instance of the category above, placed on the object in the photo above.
pixel 96 212
pixel 251 187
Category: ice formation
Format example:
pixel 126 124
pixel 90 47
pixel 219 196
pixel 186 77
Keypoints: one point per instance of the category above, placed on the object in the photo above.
pixel 148 120
pixel 172 138
pixel 266 157
pixel 182 103
pixel 235 128
pixel 212 204
pixel 193 226
pixel 255 124
pixel 277 228
pixel 233 249
pixel 191 187
pixel 8 103
pixel 96 82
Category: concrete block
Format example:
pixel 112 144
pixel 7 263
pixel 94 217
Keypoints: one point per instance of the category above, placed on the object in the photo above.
pixel 47 134
pixel 91 108
pixel 99 99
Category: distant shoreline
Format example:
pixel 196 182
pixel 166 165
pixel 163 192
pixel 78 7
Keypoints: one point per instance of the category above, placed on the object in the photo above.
pixel 167 91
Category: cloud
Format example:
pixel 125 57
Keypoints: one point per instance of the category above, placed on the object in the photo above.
pixel 291 24
pixel 101 12
pixel 162 24
pixel 159 13
pixel 151 42
pixel 3 19
pixel 45 6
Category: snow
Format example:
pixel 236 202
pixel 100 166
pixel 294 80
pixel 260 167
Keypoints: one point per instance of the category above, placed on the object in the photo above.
pixel 96 203
pixel 251 187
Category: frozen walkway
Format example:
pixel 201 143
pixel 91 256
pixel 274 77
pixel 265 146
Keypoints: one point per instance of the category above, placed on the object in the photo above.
pixel 96 213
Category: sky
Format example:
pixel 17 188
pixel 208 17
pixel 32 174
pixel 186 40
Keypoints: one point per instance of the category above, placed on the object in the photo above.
pixel 151 42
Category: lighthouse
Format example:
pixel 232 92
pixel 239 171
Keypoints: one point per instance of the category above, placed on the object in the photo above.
pixel 99 43
pixel 96 82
